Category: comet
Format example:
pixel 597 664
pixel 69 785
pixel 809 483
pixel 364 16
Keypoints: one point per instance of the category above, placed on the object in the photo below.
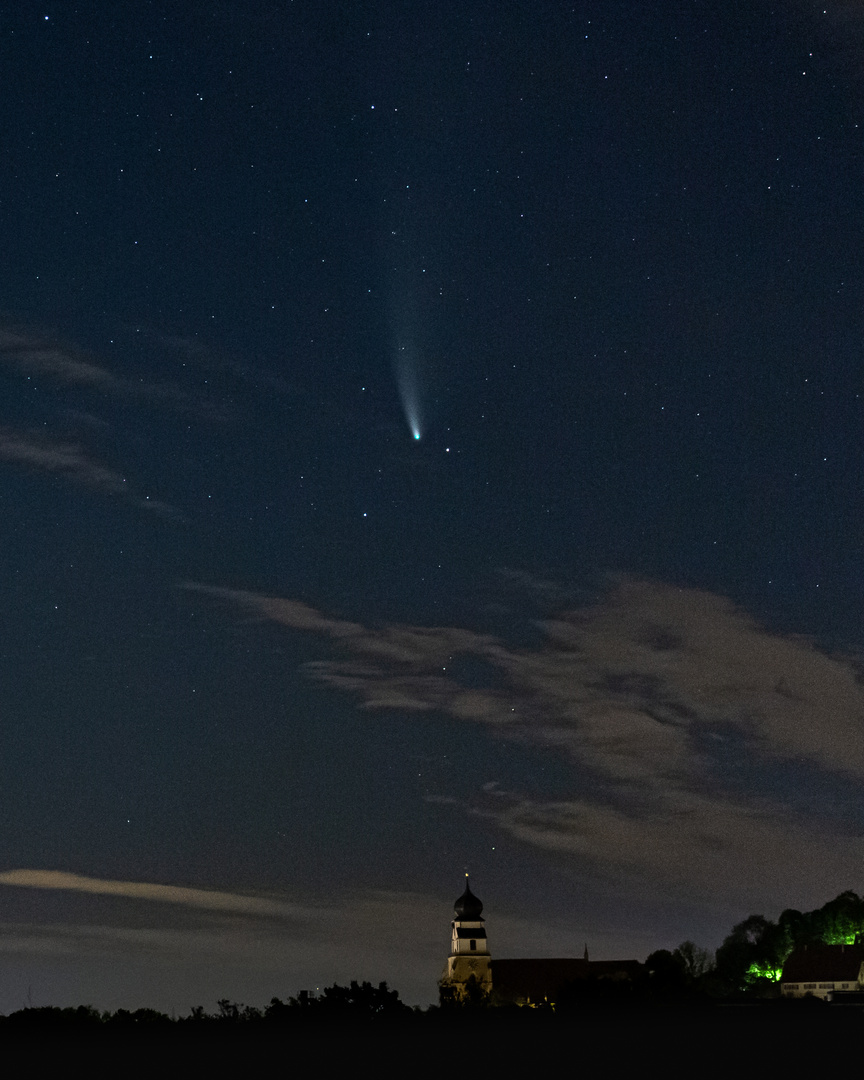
pixel 409 389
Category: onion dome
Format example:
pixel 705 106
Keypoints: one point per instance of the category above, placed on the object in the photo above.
pixel 468 907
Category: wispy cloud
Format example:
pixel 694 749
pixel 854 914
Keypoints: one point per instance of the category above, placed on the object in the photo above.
pixel 64 458
pixel 206 899
pixel 31 354
pixel 70 461
pixel 695 730
pixel 45 359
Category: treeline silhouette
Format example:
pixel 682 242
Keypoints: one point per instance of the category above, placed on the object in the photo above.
pixel 745 969
pixel 358 1002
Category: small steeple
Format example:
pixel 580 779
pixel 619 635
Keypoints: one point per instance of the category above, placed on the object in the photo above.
pixel 469 950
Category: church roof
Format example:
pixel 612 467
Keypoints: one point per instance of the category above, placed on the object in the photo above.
pixel 534 980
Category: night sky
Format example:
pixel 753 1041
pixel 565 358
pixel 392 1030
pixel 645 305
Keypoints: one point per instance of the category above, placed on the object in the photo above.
pixel 430 441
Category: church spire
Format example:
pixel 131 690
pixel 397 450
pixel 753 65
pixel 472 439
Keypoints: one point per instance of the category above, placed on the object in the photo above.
pixel 469 950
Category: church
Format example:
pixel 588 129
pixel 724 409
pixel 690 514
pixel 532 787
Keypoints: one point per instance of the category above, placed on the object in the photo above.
pixel 523 982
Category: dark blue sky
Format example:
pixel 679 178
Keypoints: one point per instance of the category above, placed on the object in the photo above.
pixel 594 636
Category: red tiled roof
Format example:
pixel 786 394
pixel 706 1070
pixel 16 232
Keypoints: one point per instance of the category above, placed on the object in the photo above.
pixel 825 963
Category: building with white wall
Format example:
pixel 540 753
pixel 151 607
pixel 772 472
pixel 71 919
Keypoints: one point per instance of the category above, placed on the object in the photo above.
pixel 525 982
pixel 469 950
pixel 823 970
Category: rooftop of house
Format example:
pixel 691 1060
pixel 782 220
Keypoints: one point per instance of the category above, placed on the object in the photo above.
pixel 834 963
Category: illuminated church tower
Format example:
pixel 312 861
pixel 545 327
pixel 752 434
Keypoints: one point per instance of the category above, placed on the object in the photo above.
pixel 469 951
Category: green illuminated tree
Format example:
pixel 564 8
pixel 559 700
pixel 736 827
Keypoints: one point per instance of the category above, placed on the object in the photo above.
pixel 753 953
pixel 841 920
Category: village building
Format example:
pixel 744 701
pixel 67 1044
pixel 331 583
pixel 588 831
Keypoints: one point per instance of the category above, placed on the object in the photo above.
pixel 535 982
pixel 469 957
pixel 523 982
pixel 824 971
